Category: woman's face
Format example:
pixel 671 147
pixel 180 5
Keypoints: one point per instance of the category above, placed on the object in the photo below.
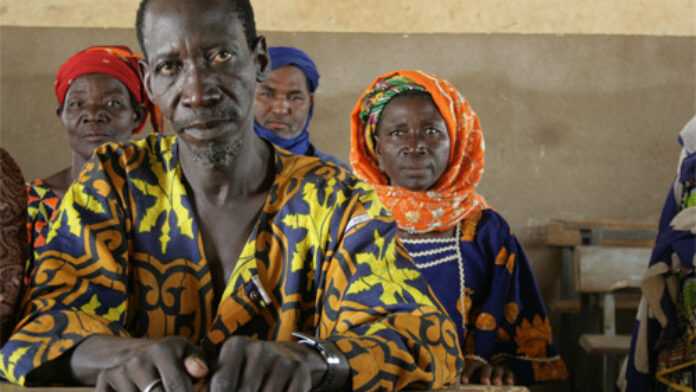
pixel 98 109
pixel 412 142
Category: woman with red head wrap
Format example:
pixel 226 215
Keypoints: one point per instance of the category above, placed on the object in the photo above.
pixel 419 143
pixel 101 99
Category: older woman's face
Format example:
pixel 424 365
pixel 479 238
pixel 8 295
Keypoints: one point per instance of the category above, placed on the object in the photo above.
pixel 412 143
pixel 98 110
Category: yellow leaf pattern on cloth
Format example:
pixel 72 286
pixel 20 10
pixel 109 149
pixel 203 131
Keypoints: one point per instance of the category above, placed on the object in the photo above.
pixel 394 281
pixel 130 261
pixel 315 222
pixel 76 198
pixel 9 369
pixel 167 201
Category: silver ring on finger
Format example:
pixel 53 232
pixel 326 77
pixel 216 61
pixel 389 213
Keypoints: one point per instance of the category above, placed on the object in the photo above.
pixel 152 385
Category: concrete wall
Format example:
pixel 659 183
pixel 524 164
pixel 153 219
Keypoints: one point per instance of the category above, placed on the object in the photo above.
pixel 645 17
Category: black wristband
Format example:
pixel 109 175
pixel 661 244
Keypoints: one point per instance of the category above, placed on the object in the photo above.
pixel 337 368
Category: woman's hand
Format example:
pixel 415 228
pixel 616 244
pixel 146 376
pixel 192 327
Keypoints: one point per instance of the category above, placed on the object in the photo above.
pixel 486 374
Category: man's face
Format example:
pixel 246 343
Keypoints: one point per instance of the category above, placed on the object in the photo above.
pixel 283 102
pixel 202 74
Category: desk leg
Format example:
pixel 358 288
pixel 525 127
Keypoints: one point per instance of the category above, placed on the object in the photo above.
pixel 569 332
pixel 609 328
pixel 609 314
pixel 567 274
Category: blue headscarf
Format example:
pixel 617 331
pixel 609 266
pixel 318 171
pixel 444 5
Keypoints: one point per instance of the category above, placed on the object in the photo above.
pixel 280 57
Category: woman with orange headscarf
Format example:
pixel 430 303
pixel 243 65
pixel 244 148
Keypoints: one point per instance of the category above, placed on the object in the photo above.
pixel 420 145
pixel 101 99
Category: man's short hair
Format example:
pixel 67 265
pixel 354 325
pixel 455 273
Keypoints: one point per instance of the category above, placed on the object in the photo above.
pixel 242 8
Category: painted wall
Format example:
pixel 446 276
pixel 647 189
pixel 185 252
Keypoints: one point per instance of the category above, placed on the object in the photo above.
pixel 645 17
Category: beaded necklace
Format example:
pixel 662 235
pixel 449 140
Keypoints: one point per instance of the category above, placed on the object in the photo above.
pixel 443 247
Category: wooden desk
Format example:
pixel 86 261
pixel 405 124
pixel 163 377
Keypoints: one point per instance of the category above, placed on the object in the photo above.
pixel 599 258
pixel 457 388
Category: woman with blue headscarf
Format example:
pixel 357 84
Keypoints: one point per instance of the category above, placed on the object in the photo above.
pixel 285 103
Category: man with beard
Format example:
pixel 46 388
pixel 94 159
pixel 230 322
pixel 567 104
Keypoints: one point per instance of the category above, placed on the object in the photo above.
pixel 285 103
pixel 209 257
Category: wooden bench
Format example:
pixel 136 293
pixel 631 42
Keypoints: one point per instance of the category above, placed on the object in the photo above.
pixel 624 301
pixel 567 233
pixel 605 344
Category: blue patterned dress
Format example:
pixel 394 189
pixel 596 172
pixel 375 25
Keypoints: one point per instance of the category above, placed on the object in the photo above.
pixel 483 279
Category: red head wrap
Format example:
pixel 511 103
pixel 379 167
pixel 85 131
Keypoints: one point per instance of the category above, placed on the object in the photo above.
pixel 116 61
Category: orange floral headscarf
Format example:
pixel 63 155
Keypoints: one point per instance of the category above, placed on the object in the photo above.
pixel 453 198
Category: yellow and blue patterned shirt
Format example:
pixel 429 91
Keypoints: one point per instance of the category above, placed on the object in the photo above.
pixel 125 257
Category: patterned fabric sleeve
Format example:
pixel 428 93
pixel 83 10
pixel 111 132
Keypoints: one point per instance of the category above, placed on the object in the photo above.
pixel 512 326
pixel 380 312
pixel 42 202
pixel 78 288
pixel 12 240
